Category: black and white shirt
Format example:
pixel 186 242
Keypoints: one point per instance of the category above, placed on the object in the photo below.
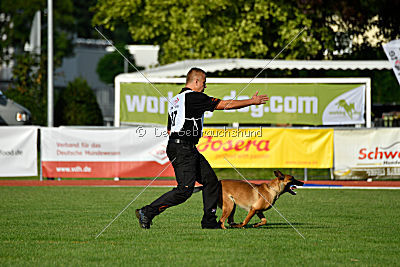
pixel 186 114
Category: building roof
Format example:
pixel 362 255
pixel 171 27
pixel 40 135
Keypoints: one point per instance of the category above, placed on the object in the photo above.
pixel 180 68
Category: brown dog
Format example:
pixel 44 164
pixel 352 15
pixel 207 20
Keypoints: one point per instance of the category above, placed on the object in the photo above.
pixel 254 198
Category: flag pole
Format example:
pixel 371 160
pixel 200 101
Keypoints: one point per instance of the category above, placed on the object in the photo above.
pixel 50 63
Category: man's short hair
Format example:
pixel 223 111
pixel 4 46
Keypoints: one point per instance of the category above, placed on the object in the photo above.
pixel 193 74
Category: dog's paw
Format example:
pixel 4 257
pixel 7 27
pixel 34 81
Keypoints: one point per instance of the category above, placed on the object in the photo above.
pixel 263 222
pixel 236 225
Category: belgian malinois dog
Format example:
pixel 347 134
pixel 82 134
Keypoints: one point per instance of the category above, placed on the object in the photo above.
pixel 255 198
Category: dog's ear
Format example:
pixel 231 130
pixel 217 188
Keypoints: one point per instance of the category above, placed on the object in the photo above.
pixel 279 175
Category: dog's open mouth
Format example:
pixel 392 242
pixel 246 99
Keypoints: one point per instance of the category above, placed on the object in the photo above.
pixel 291 186
pixel 291 189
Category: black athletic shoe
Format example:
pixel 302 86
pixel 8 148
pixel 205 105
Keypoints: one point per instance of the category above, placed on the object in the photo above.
pixel 144 221
pixel 217 225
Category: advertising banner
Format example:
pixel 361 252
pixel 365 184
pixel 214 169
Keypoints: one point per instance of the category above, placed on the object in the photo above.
pixel 125 152
pixel 392 50
pixel 18 151
pixel 290 103
pixel 365 153
pixel 268 148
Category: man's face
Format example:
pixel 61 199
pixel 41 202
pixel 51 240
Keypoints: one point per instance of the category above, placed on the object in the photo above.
pixel 201 83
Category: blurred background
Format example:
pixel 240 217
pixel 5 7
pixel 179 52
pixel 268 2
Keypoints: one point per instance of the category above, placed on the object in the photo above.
pixel 155 33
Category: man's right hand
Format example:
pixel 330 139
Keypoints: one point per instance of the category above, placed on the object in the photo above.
pixel 236 104
pixel 259 99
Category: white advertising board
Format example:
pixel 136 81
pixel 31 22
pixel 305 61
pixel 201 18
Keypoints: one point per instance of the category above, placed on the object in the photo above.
pixel 18 151
pixel 367 153
pixel 107 153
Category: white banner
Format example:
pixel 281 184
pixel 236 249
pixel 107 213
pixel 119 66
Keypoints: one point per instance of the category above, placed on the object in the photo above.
pixel 18 151
pixel 348 108
pixel 367 153
pixel 392 50
pixel 124 152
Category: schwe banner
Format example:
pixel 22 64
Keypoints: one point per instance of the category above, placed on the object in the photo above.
pixel 305 103
pixel 367 153
pixel 125 152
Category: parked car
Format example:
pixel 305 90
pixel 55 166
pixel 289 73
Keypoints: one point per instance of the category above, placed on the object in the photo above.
pixel 12 113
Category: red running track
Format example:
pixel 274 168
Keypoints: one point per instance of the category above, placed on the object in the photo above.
pixel 173 183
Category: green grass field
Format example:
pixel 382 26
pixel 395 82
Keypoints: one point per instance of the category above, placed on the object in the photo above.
pixel 57 226
pixel 228 173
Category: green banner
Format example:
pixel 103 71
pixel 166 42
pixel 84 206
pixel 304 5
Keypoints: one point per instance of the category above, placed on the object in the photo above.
pixel 309 104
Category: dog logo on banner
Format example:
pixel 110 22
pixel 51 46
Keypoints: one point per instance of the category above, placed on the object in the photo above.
pixel 159 154
pixel 349 108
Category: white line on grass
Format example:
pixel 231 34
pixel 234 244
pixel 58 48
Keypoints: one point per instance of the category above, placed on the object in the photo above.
pixel 351 187
pixel 135 198
pixel 261 181
pixel 265 199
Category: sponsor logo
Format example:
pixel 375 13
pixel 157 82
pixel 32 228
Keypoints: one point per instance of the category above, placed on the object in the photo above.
pixel 377 154
pixel 389 157
pixel 74 169
pixel 11 153
pixel 236 145
pixel 149 104
pixel 348 107
pixel 277 104
pixel 159 154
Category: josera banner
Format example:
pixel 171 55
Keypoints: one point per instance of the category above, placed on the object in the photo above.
pixel 18 151
pixel 268 148
pixel 364 153
pixel 104 153
pixel 310 104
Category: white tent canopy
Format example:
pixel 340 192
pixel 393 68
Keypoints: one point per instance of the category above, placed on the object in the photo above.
pixel 180 68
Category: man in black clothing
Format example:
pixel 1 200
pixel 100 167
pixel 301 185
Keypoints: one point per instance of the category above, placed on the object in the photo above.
pixel 185 123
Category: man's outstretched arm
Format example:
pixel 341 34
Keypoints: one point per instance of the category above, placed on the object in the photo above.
pixel 235 104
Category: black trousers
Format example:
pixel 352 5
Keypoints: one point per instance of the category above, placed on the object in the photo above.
pixel 189 166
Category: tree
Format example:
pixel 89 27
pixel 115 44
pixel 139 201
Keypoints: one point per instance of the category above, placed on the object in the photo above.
pixel 211 29
pixel 354 26
pixel 254 28
pixel 77 105
pixel 28 87
pixel 29 84
pixel 336 29
pixel 112 64
pixel 16 22
pixel 83 15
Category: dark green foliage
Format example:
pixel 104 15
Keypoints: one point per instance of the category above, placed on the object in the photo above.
pixel 345 30
pixel 15 28
pixel 77 105
pixel 29 82
pixel 254 28
pixel 110 65
pixel 29 87
pixel 212 29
